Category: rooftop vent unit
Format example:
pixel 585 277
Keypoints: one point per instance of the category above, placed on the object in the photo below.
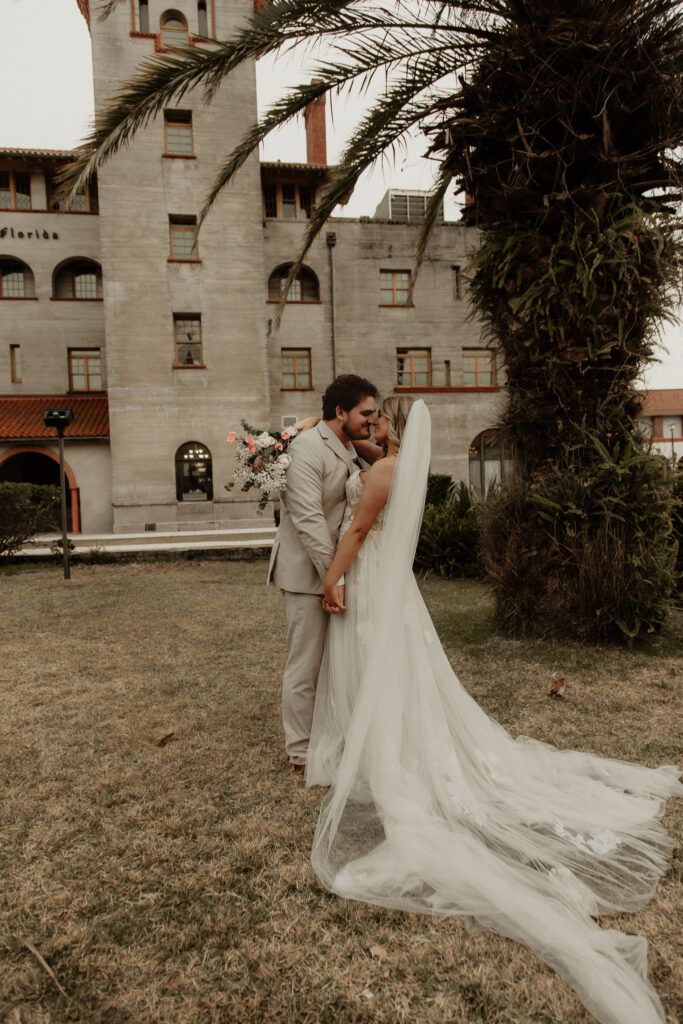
pixel 405 207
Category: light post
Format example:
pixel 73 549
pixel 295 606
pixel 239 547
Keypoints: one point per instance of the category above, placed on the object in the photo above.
pixel 60 420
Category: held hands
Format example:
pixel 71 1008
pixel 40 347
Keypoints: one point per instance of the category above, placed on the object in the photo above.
pixel 333 599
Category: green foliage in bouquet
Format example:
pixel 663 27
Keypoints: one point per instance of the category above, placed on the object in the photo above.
pixel 450 539
pixel 585 549
pixel 24 510
pixel 262 461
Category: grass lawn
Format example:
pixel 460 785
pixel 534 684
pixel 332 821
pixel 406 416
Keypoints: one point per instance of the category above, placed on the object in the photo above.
pixel 170 884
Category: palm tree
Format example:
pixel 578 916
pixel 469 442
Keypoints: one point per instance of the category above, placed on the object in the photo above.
pixel 560 119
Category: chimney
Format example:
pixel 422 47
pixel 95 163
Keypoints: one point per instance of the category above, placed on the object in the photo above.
pixel 316 140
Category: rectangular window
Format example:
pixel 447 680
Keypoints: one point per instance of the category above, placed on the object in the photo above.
pixel 85 369
pixel 15 191
pixel 479 368
pixel 85 284
pixel 414 367
pixel 394 287
pixel 187 329
pixel 457 283
pixel 178 133
pixel 13 282
pixel 183 238
pixel 296 369
pixel 288 200
pixel 15 363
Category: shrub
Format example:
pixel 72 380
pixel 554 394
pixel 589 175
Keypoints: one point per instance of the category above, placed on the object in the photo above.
pixel 24 510
pixel 438 487
pixel 677 522
pixel 450 539
pixel 589 552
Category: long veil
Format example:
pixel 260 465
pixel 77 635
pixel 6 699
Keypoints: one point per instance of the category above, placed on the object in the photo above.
pixel 436 809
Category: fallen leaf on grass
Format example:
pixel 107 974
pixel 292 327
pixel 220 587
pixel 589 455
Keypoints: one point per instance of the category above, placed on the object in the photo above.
pixel 558 687
pixel 165 739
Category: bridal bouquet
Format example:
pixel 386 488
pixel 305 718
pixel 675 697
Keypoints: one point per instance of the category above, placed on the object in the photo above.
pixel 262 461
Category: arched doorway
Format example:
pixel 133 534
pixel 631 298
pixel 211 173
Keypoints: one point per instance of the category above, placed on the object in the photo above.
pixel 34 465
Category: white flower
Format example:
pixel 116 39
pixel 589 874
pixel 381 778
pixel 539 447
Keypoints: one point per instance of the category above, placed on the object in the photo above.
pixel 284 460
pixel 264 440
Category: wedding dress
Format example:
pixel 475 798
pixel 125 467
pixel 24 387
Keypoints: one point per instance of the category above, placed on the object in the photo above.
pixel 435 808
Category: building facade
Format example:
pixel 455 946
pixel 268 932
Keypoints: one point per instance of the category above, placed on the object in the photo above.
pixel 161 342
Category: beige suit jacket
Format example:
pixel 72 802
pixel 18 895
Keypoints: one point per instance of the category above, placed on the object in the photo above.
pixel 311 511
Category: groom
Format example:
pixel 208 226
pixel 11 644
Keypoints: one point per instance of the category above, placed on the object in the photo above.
pixel 311 511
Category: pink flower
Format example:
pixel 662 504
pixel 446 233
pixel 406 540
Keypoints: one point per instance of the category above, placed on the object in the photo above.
pixel 252 447
pixel 278 447
pixel 284 436
pixel 249 439
pixel 231 437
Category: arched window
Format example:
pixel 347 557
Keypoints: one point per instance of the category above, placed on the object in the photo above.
pixel 193 473
pixel 77 279
pixel 173 30
pixel 490 460
pixel 304 287
pixel 202 19
pixel 16 279
pixel 144 16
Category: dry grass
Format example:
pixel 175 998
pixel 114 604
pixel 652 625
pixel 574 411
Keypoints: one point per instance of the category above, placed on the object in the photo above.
pixel 171 885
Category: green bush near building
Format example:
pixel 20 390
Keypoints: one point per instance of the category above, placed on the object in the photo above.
pixel 450 538
pixel 24 510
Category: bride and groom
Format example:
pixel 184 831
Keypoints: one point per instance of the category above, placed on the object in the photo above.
pixel 432 806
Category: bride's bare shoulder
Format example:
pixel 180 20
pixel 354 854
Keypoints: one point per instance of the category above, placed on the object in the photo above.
pixel 382 472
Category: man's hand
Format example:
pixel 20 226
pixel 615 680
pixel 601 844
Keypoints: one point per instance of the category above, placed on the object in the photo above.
pixel 333 600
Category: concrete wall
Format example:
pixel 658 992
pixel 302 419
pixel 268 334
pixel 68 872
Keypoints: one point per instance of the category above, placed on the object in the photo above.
pixel 153 407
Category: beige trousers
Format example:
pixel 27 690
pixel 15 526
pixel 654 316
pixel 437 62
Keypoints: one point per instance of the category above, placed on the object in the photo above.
pixel 306 631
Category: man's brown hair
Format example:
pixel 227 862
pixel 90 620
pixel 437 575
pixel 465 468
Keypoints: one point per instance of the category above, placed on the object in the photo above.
pixel 346 391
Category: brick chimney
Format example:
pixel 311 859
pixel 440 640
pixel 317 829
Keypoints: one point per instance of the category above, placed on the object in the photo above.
pixel 316 139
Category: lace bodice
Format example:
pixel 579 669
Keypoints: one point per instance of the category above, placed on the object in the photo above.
pixel 354 489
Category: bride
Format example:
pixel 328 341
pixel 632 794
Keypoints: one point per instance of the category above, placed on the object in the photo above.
pixel 433 807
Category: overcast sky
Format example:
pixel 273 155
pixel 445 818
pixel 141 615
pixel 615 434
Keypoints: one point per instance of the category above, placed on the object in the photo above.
pixel 46 79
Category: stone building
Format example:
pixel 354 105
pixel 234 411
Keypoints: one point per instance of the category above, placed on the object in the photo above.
pixel 160 345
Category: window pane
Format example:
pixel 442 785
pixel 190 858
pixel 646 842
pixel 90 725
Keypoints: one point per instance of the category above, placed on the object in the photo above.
pixel 187 329
pixel 295 291
pixel 22 189
pixel 188 354
pixel 469 363
pixel 5 194
pixel 304 201
pixel 79 204
pixel 485 378
pixel 179 139
pixel 95 382
pixel 469 380
pixel 386 297
pixel 85 286
pixel 288 364
pixel 421 380
pixel 309 287
pixel 304 380
pixel 78 382
pixel 288 202
pixel 270 200
pixel 288 380
pixel 13 284
pixel 183 242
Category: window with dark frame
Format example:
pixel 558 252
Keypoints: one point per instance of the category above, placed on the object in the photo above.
pixel 394 287
pixel 288 200
pixel 187 333
pixel 414 367
pixel 457 283
pixel 479 368
pixel 178 137
pixel 193 472
pixel 304 287
pixel 183 232
pixel 202 19
pixel 15 190
pixel 85 201
pixel 80 280
pixel 85 369
pixel 15 363
pixel 296 369
pixel 173 31
pixel 16 280
pixel 144 16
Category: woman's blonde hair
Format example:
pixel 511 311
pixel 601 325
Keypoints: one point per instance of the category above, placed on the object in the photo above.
pixel 396 409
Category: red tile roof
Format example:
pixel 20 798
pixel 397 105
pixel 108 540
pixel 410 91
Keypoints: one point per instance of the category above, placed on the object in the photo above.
pixel 55 154
pixel 663 402
pixel 21 417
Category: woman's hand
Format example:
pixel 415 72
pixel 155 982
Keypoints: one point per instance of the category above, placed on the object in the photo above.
pixel 306 423
pixel 333 599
